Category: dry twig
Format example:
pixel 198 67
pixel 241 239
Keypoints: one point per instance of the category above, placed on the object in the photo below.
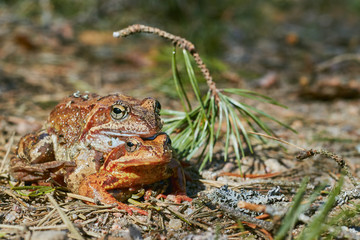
pixel 337 59
pixel 177 41
pixel 339 160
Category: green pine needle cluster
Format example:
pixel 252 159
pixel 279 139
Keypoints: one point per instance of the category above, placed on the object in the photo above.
pixel 196 130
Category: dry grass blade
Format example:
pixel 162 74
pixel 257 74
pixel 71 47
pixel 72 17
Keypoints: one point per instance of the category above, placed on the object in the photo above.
pixel 80 197
pixel 93 234
pixel 11 141
pixel 276 139
pixel 17 227
pixel 137 221
pixel 44 219
pixel 54 227
pixel 21 228
pixel 185 219
pixel 14 196
pixel 65 219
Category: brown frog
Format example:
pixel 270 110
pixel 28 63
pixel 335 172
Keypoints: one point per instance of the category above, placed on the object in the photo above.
pixel 133 166
pixel 79 134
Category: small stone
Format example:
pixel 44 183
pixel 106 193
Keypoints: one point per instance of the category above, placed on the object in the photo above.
pixel 50 235
pixel 175 224
pixel 11 217
pixel 73 216
pixel 134 232
pixel 208 175
pixel 358 148
pixel 188 211
pixel 228 167
pixel 273 165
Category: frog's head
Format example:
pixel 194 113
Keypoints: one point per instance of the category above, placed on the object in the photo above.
pixel 115 118
pixel 139 152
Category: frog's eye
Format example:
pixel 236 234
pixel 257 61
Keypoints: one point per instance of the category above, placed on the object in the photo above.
pixel 119 112
pixel 157 107
pixel 131 145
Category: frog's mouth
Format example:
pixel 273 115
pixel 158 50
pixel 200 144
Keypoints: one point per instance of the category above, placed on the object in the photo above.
pixel 131 162
pixel 143 135
pixel 105 139
pixel 123 136
pixel 134 163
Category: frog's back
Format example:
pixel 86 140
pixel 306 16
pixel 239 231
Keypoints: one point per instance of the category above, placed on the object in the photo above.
pixel 69 117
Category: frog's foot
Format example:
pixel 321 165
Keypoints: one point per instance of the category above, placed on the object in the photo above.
pixel 177 198
pixel 91 187
pixel 180 198
pixel 148 194
pixel 131 209
pixel 120 205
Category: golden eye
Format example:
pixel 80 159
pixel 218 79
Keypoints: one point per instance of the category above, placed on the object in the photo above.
pixel 119 112
pixel 132 145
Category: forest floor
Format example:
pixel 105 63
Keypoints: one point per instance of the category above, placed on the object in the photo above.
pixel 39 67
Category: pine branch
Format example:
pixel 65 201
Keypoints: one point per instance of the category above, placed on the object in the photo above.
pixel 196 130
pixel 177 41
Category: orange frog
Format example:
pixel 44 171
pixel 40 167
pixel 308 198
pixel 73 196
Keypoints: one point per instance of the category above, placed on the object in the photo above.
pixel 132 167
pixel 79 135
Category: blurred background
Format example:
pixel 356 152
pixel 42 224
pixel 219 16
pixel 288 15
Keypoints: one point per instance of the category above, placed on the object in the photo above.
pixel 283 48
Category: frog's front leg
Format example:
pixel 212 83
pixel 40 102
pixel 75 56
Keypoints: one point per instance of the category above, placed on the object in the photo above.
pixel 178 183
pixel 36 147
pixel 93 186
pixel 176 191
pixel 34 150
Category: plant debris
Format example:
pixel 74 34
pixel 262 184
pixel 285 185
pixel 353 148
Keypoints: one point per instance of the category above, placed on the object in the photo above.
pixel 306 52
